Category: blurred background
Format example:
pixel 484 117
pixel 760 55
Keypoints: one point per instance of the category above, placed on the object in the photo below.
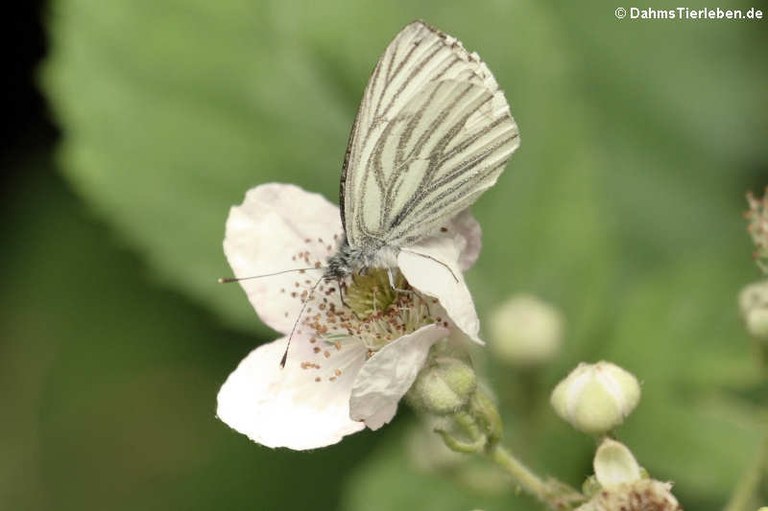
pixel 129 127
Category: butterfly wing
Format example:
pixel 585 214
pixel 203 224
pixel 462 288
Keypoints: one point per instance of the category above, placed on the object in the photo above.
pixel 433 132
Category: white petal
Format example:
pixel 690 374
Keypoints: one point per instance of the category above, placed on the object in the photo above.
pixel 388 375
pixel 432 267
pixel 302 406
pixel 615 464
pixel 468 236
pixel 273 230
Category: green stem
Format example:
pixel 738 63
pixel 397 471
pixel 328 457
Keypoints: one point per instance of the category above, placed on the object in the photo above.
pixel 554 494
pixel 745 493
pixel 522 475
pixel 476 440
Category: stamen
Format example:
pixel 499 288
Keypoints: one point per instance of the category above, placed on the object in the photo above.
pixel 373 313
pixel 376 313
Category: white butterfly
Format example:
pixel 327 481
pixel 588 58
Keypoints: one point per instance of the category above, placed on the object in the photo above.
pixel 433 132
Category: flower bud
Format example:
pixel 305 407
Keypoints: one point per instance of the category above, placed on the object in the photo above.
pixel 525 331
pixel 444 386
pixel 596 398
pixel 753 302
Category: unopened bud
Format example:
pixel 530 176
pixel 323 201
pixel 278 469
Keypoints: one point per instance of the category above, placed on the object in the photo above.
pixel 753 303
pixel 525 331
pixel 595 398
pixel 444 386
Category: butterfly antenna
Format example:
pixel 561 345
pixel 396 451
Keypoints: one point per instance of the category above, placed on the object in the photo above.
pixel 435 260
pixel 296 323
pixel 229 280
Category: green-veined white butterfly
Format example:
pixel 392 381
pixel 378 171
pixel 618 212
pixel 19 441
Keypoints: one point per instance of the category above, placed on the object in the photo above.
pixel 433 132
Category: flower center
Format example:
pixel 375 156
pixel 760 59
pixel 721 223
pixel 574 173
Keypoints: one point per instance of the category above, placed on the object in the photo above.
pixel 369 311
pixel 371 293
pixel 373 312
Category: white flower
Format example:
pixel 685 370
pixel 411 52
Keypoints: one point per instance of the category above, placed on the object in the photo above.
pixel 595 398
pixel 349 362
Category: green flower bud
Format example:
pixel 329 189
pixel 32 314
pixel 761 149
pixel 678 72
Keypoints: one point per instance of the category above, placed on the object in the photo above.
pixel 444 386
pixel 525 331
pixel 757 324
pixel 595 398
pixel 753 303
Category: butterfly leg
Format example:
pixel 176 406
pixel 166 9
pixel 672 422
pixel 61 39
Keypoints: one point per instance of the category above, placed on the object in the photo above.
pixel 341 286
pixel 393 283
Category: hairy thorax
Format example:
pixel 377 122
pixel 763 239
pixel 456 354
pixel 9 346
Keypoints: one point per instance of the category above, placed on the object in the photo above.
pixel 350 260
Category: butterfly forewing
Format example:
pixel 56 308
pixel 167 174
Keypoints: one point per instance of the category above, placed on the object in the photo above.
pixel 433 132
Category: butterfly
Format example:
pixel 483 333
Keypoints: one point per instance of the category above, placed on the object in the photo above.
pixel 432 133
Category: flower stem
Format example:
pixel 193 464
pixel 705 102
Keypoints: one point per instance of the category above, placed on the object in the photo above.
pixel 554 494
pixel 744 495
pixel 522 475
